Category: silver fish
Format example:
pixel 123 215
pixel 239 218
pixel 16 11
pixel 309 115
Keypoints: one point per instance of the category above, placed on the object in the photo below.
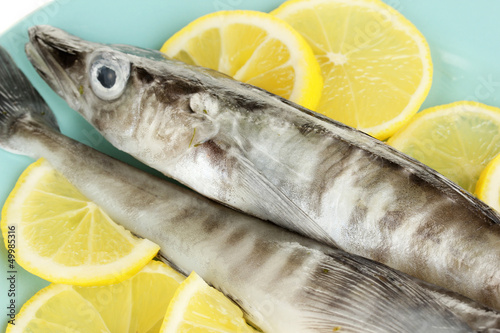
pixel 283 281
pixel 263 155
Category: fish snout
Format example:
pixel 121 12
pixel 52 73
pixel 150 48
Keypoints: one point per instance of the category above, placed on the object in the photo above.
pixel 58 40
pixel 58 58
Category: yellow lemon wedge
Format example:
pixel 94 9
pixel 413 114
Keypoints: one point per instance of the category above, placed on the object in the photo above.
pixel 63 237
pixel 198 308
pixel 458 140
pixel 376 65
pixel 488 185
pixel 253 47
pixel 135 305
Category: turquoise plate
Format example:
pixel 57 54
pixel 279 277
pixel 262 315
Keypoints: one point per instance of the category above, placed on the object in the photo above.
pixel 464 37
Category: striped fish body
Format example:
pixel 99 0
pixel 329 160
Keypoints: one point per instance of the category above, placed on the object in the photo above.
pixel 268 157
pixel 283 281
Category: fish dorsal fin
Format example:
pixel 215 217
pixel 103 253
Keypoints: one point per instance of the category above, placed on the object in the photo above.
pixel 269 198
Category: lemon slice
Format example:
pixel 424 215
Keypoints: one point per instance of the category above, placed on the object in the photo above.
pixel 198 308
pixel 488 185
pixel 134 305
pixel 63 237
pixel 252 47
pixel 458 140
pixel 376 65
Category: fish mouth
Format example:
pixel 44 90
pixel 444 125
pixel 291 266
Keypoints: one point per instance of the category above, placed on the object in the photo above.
pixel 52 51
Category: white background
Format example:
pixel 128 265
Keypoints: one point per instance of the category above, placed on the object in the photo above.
pixel 11 11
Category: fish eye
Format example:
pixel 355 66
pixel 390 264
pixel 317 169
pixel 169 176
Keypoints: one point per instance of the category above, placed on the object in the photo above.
pixel 108 74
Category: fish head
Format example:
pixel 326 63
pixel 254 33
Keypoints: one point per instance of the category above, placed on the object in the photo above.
pixel 127 93
pixel 59 58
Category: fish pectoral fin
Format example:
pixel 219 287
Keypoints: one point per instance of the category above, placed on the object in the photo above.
pixel 364 296
pixel 269 198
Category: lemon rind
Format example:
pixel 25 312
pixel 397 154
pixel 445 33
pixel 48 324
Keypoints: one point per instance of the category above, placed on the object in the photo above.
pixel 488 185
pixel 404 133
pixel 308 82
pixel 388 128
pixel 83 275
pixel 29 309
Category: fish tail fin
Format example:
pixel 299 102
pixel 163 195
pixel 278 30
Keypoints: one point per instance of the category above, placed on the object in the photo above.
pixel 19 101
